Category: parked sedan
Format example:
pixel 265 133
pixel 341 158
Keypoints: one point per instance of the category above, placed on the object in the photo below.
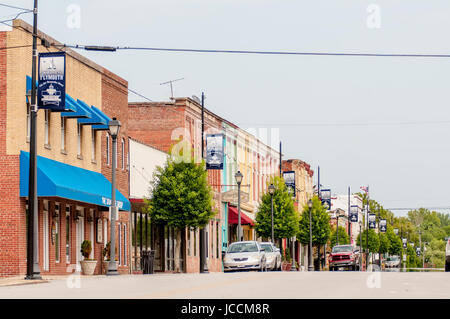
pixel 245 255
pixel 393 262
pixel 273 256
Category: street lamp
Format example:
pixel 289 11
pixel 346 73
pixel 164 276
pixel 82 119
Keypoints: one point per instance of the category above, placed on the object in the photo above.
pixel 360 245
pixel 114 128
pixel 238 176
pixel 310 265
pixel 338 214
pixel 271 192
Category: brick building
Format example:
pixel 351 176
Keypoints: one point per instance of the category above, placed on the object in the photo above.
pixel 74 160
pixel 304 191
pixel 163 125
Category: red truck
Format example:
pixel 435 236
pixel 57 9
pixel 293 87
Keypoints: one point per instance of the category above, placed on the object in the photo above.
pixel 344 256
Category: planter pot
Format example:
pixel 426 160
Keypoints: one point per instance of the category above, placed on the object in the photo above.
pixel 88 267
pixel 285 266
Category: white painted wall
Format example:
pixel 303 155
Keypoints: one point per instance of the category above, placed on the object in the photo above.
pixel 143 162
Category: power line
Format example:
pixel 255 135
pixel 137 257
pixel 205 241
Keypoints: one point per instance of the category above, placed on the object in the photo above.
pixel 411 55
pixel 13 7
pixel 348 124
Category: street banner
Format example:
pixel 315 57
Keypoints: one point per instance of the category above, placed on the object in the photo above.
pixel 214 151
pixel 354 213
pixel 383 225
pixel 412 245
pixel 418 251
pixel 396 231
pixel 325 196
pixel 404 240
pixel 51 90
pixel 289 180
pixel 372 221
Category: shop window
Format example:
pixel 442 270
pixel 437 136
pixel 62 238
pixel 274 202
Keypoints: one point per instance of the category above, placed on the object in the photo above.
pixel 123 154
pixel 195 243
pixel 47 127
pixel 63 134
pixel 217 239
pixel 94 144
pixel 68 234
pixel 189 242
pixel 79 138
pixel 108 160
pixel 55 231
pixel 125 244
pixel 120 244
pixel 28 121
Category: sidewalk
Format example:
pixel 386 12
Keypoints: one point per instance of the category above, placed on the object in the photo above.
pixel 19 281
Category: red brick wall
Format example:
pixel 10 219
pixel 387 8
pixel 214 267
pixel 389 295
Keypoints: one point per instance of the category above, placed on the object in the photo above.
pixel 12 209
pixel 153 123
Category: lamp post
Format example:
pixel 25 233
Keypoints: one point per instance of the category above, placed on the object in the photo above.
pixel 33 270
pixel 360 245
pixel 310 265
pixel 114 127
pixel 238 176
pixel 271 192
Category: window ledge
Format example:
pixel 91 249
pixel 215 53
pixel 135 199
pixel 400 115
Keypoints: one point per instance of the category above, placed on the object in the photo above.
pixel 80 157
pixel 47 146
pixel 94 162
pixel 28 140
pixel 64 152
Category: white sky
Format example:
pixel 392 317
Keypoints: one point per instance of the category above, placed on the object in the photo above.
pixel 405 165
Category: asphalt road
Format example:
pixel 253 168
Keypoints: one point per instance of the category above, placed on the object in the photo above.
pixel 248 285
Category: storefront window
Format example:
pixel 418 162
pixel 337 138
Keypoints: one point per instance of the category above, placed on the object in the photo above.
pixel 68 235
pixel 55 230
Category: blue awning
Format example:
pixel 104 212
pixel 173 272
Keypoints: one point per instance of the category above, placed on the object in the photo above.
pixel 56 179
pixel 69 107
pixel 80 110
pixel 95 119
pixel 104 116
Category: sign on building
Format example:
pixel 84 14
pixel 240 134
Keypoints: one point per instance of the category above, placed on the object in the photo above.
pixel 214 151
pixel 372 221
pixel 354 209
pixel 289 180
pixel 51 90
pixel 383 225
pixel 404 240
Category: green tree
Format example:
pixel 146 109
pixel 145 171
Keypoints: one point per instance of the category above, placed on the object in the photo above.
pixel 320 221
pixel 181 195
pixel 374 241
pixel 343 237
pixel 395 243
pixel 435 253
pixel 384 243
pixel 285 217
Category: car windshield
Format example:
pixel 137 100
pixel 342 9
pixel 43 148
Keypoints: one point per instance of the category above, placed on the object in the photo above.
pixel 243 248
pixel 342 249
pixel 267 248
pixel 394 258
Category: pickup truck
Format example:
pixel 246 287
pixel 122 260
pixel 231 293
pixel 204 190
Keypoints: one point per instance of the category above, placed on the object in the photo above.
pixel 344 256
pixel 447 255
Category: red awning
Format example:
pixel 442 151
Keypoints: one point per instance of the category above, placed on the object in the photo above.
pixel 233 217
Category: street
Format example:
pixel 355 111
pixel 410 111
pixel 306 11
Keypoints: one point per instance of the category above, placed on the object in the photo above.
pixel 248 285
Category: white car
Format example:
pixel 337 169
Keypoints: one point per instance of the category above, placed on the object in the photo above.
pixel 245 255
pixel 273 256
pixel 447 255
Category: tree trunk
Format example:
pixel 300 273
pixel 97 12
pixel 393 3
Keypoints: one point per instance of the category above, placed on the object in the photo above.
pixel 177 250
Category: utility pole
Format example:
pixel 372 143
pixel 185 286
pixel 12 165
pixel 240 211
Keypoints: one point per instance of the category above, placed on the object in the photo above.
pixel 281 161
pixel 33 271
pixel 203 263
pixel 367 229
pixel 348 217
